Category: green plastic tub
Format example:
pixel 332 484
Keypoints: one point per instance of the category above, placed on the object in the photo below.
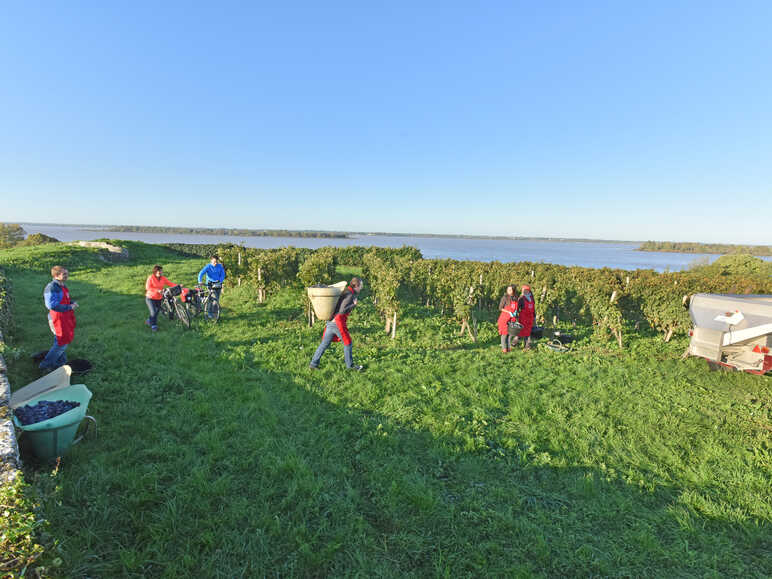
pixel 54 437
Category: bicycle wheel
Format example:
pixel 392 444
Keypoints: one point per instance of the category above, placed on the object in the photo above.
pixel 182 313
pixel 214 310
pixel 190 305
pixel 192 313
pixel 195 306
pixel 166 309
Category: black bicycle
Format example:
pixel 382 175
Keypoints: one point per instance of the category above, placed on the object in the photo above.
pixel 172 307
pixel 205 299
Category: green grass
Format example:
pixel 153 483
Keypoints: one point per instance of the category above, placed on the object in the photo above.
pixel 220 454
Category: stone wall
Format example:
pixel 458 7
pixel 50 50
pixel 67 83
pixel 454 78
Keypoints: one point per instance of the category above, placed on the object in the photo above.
pixel 111 253
pixel 9 450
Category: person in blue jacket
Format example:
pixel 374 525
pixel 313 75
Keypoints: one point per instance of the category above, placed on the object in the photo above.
pixel 61 317
pixel 214 272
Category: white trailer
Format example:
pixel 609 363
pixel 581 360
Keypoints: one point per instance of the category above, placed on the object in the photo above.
pixel 732 330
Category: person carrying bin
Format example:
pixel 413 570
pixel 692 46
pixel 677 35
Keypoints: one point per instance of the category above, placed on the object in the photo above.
pixel 61 317
pixel 337 328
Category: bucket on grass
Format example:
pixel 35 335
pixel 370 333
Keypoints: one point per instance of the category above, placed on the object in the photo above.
pixel 80 366
pixel 325 298
pixel 53 437
pixel 562 337
pixel 513 328
pixel 59 378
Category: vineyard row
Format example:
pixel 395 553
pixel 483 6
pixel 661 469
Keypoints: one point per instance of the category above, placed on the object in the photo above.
pixel 611 300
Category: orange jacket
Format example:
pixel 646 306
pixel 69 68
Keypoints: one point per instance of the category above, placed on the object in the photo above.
pixel 154 285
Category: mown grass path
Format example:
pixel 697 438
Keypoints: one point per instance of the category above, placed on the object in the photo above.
pixel 221 455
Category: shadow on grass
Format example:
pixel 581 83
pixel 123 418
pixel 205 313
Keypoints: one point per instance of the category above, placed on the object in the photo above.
pixel 226 460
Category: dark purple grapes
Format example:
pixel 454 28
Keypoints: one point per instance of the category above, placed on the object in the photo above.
pixel 43 410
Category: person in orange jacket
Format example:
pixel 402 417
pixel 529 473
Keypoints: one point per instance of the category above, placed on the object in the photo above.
pixel 61 317
pixel 154 286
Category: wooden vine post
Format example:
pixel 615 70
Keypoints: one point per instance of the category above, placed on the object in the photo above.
pixel 617 332
pixel 479 302
pixel 260 288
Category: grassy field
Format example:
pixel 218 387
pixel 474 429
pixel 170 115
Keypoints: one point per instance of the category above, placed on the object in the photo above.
pixel 220 454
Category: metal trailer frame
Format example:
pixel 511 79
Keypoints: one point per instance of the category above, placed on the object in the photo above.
pixel 732 330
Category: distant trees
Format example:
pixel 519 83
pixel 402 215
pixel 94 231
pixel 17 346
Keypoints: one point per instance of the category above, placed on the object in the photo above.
pixel 37 239
pixel 735 264
pixel 10 234
pixel 722 248
pixel 228 231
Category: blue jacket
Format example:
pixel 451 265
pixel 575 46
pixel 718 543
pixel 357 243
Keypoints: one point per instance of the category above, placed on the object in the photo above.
pixel 52 296
pixel 215 273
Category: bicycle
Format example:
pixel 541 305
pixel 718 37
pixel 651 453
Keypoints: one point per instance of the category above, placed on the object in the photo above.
pixel 172 308
pixel 205 299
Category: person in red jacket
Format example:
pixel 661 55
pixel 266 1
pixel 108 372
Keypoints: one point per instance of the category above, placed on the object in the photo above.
pixel 337 328
pixel 154 286
pixel 61 317
pixel 527 308
pixel 508 309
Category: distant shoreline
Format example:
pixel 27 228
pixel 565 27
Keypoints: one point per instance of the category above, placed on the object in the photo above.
pixel 239 232
pixel 647 246
pixel 709 248
pixel 231 232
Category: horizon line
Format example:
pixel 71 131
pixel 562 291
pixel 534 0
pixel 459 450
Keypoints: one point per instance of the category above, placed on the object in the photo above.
pixel 389 233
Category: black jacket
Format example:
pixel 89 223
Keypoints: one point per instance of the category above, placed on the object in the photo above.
pixel 345 302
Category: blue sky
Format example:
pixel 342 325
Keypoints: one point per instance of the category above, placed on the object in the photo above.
pixel 621 120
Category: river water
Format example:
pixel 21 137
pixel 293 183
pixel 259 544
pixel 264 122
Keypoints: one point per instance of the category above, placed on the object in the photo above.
pixel 618 255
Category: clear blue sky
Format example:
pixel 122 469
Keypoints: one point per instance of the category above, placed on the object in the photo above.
pixel 623 120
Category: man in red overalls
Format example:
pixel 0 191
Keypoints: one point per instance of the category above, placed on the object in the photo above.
pixel 337 328
pixel 61 318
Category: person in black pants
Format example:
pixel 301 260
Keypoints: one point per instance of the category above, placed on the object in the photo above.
pixel 154 286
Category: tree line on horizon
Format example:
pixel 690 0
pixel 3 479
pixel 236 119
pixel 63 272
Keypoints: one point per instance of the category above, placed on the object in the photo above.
pixel 691 247
pixel 13 235
pixel 233 232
